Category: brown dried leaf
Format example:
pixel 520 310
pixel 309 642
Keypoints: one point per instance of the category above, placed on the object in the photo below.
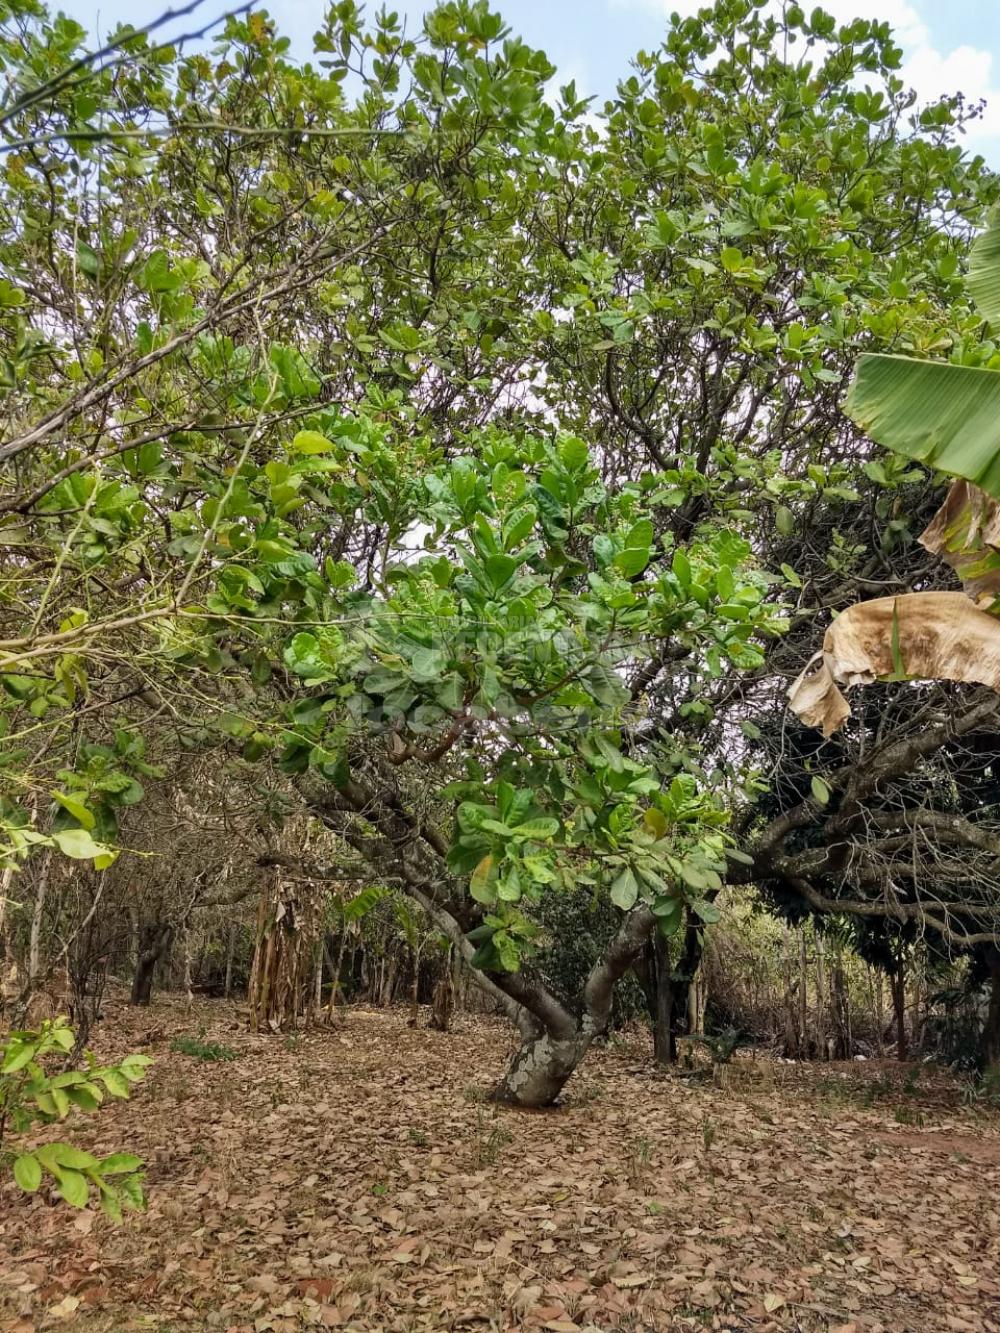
pixel 929 635
pixel 965 532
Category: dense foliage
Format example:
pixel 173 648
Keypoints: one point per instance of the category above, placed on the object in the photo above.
pixel 459 451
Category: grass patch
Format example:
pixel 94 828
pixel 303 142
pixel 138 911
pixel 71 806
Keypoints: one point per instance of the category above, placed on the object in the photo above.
pixel 203 1050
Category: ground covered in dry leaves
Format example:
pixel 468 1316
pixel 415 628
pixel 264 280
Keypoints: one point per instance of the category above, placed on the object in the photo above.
pixel 355 1179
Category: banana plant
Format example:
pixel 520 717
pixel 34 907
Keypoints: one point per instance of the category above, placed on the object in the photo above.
pixel 944 415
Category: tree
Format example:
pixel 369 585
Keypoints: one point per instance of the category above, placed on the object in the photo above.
pixel 444 448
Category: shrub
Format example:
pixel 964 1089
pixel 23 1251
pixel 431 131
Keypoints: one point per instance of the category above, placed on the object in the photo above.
pixel 30 1095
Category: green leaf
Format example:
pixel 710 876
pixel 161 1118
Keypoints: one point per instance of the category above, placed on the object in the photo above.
pixel 64 1154
pixel 625 890
pixel 632 561
pixel 983 280
pixel 791 576
pixel 669 912
pixel 73 1187
pixel 944 415
pixel 119 1162
pixel 75 806
pixel 115 1082
pixel 479 884
pixel 87 259
pixel 311 442
pixel 19 1054
pixel 537 829
pixel 574 453
pixel 77 844
pixel 708 911
pixel 518 526
pixel 428 664
pixel 655 822
pixel 500 569
pixel 784 520
pixel 640 534
pixel 820 790
pixel 28 1172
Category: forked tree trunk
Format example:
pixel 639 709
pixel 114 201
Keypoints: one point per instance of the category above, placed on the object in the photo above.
pixel 555 1039
pixel 541 1068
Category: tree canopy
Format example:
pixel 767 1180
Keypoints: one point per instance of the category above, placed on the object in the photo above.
pixel 473 456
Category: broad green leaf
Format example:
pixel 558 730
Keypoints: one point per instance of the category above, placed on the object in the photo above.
pixel 73 1187
pixel 573 453
pixel 19 1054
pixel 311 442
pixel 64 1154
pixel 75 806
pixel 119 1162
pixel 655 821
pixel 28 1172
pixel 784 520
pixel 945 416
pixel 625 890
pixel 708 911
pixel 632 561
pixel 78 844
pixel 537 829
pixel 115 1082
pixel 820 790
pixel 479 884
pixel 983 280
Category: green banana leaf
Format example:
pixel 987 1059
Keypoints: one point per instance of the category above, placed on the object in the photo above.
pixel 983 280
pixel 945 416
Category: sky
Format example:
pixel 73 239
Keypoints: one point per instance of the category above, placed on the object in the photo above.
pixel 947 47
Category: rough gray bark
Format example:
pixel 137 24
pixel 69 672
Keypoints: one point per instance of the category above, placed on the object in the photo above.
pixel 557 1039
pixel 541 1068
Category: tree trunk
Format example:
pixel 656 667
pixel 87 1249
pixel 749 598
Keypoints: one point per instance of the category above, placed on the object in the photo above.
pixel 443 1002
pixel 822 1046
pixel 879 1009
pixel 653 971
pixel 230 950
pixel 682 978
pixel 317 1004
pixel 664 1033
pixel 989 1040
pixel 899 1009
pixel 37 915
pixel 792 1050
pixel 415 990
pixel 541 1068
pixel 154 941
pixel 554 1039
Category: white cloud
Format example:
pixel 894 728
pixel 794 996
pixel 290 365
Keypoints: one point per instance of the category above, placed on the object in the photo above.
pixel 966 69
pixel 931 72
